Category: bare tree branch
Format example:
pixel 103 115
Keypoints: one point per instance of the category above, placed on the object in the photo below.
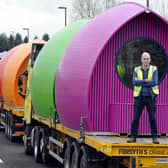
pixel 85 8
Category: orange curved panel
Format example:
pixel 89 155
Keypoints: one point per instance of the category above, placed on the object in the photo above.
pixel 16 66
pixel 3 64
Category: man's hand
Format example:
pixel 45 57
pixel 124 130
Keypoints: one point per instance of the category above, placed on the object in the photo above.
pixel 148 80
pixel 136 78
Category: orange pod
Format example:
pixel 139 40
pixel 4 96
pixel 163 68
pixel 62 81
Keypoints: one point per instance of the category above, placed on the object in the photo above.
pixel 13 79
pixel 3 64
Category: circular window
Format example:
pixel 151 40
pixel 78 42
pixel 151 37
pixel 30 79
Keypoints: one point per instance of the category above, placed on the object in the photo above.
pixel 129 56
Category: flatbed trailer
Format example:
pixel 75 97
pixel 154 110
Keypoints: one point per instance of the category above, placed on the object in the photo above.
pixel 47 138
pixel 11 119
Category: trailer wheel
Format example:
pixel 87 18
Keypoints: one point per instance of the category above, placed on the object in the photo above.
pixel 10 134
pixel 83 160
pixel 67 158
pixel 26 147
pixel 5 129
pixel 43 147
pixel 27 140
pixel 6 125
pixel 67 153
pixel 10 123
pixel 37 153
pixel 44 154
pixel 74 155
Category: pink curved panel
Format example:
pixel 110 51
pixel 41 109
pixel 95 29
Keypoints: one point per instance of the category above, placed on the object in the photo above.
pixel 76 67
pixel 87 84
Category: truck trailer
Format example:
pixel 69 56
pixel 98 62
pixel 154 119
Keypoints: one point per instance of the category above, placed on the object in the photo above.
pixel 13 79
pixel 79 96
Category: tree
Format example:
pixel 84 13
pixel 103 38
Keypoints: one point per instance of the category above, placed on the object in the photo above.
pixel 85 9
pixel 25 39
pixel 161 6
pixel 45 37
pixel 18 39
pixel 90 8
pixel 11 41
pixel 110 3
pixel 35 37
pixel 3 42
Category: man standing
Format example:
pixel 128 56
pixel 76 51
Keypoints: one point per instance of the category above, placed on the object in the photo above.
pixel 145 80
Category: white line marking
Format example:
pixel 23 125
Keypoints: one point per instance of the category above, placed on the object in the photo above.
pixel 1 161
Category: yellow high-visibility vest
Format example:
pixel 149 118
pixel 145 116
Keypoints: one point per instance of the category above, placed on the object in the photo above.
pixel 138 70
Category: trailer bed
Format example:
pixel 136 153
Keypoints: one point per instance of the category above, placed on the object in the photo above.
pixel 118 146
pixel 123 140
pixel 115 145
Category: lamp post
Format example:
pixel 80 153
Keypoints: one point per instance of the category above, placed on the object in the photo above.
pixel 147 4
pixel 27 29
pixel 64 8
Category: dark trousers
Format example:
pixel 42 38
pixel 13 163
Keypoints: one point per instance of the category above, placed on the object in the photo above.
pixel 139 104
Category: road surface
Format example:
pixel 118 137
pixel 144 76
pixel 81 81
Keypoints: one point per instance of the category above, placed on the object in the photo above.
pixel 12 156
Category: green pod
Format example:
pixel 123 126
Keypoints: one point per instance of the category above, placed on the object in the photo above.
pixel 45 68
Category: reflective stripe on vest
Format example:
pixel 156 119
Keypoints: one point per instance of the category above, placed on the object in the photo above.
pixel 137 89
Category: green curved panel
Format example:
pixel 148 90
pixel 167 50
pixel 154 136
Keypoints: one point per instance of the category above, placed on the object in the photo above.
pixel 45 68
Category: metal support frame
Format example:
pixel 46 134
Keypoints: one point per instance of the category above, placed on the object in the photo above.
pixel 54 154
pixel 82 131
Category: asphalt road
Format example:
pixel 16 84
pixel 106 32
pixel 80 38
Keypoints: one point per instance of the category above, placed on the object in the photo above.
pixel 12 156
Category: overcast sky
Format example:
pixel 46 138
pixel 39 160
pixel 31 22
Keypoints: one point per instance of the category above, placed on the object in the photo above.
pixel 39 16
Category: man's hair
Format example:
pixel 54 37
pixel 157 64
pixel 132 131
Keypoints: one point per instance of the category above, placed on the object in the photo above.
pixel 145 53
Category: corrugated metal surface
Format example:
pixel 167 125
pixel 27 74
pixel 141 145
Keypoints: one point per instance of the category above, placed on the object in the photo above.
pixel 110 101
pixel 76 66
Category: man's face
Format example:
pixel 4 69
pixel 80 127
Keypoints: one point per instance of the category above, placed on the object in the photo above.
pixel 145 59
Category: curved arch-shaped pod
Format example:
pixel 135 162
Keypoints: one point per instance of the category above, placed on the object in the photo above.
pixel 44 70
pixel 16 66
pixel 87 83
pixel 3 63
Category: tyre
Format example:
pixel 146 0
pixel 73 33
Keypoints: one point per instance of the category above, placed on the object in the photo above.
pixel 10 134
pixel 74 155
pixel 67 149
pixel 83 161
pixel 26 147
pixel 37 153
pixel 27 141
pixel 43 146
pixel 8 128
pixel 67 158
pixel 84 157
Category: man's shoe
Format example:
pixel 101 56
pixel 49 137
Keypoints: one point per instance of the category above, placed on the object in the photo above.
pixel 131 140
pixel 155 141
